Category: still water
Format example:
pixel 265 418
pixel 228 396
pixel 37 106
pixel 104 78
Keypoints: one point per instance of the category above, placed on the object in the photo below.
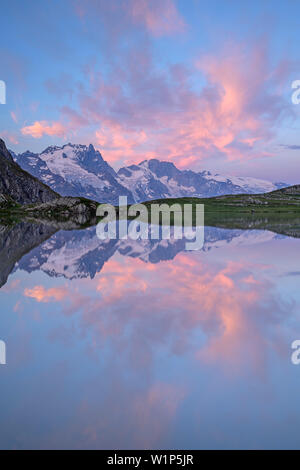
pixel 140 344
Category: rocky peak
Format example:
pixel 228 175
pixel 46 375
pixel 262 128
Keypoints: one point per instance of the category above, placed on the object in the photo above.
pixel 4 152
pixel 21 186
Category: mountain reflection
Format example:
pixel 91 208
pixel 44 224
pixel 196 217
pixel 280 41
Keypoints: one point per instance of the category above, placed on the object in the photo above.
pixel 79 253
pixel 16 240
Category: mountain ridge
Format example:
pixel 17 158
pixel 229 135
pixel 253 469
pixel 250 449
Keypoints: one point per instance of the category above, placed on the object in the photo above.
pixel 80 170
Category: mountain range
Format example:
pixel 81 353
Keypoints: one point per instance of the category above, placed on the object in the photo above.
pixel 80 170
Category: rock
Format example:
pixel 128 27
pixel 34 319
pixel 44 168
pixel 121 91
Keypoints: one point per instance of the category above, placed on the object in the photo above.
pixel 76 210
pixel 20 185
pixel 7 202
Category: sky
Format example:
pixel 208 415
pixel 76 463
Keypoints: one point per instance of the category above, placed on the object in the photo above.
pixel 203 84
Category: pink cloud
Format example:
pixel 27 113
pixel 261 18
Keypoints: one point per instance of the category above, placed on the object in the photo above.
pixel 10 136
pixel 223 303
pixel 226 105
pixel 142 112
pixel 40 294
pixel 11 286
pixel 117 142
pixel 14 116
pixel 40 128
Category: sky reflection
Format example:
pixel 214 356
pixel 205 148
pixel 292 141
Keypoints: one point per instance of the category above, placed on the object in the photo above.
pixel 189 352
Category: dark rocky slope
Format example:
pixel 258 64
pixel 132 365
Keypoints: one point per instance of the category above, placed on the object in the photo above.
pixel 20 185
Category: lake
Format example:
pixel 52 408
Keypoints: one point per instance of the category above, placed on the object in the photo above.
pixel 123 344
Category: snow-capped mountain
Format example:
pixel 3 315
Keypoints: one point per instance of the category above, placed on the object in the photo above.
pixel 153 179
pixel 74 170
pixel 248 184
pixel 80 170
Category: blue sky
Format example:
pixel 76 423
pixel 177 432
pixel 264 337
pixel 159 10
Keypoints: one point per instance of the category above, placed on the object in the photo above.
pixel 206 85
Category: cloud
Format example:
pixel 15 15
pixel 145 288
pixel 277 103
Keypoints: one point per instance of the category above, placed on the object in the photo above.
pixel 142 111
pixel 225 304
pixel 291 147
pixel 159 17
pixel 11 286
pixel 10 136
pixel 118 142
pixel 40 128
pixel 155 17
pixel 119 413
pixel 226 104
pixel 14 116
pixel 40 294
pixel 161 401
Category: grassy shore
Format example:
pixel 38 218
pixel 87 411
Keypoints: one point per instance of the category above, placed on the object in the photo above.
pixel 278 210
pixel 285 200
